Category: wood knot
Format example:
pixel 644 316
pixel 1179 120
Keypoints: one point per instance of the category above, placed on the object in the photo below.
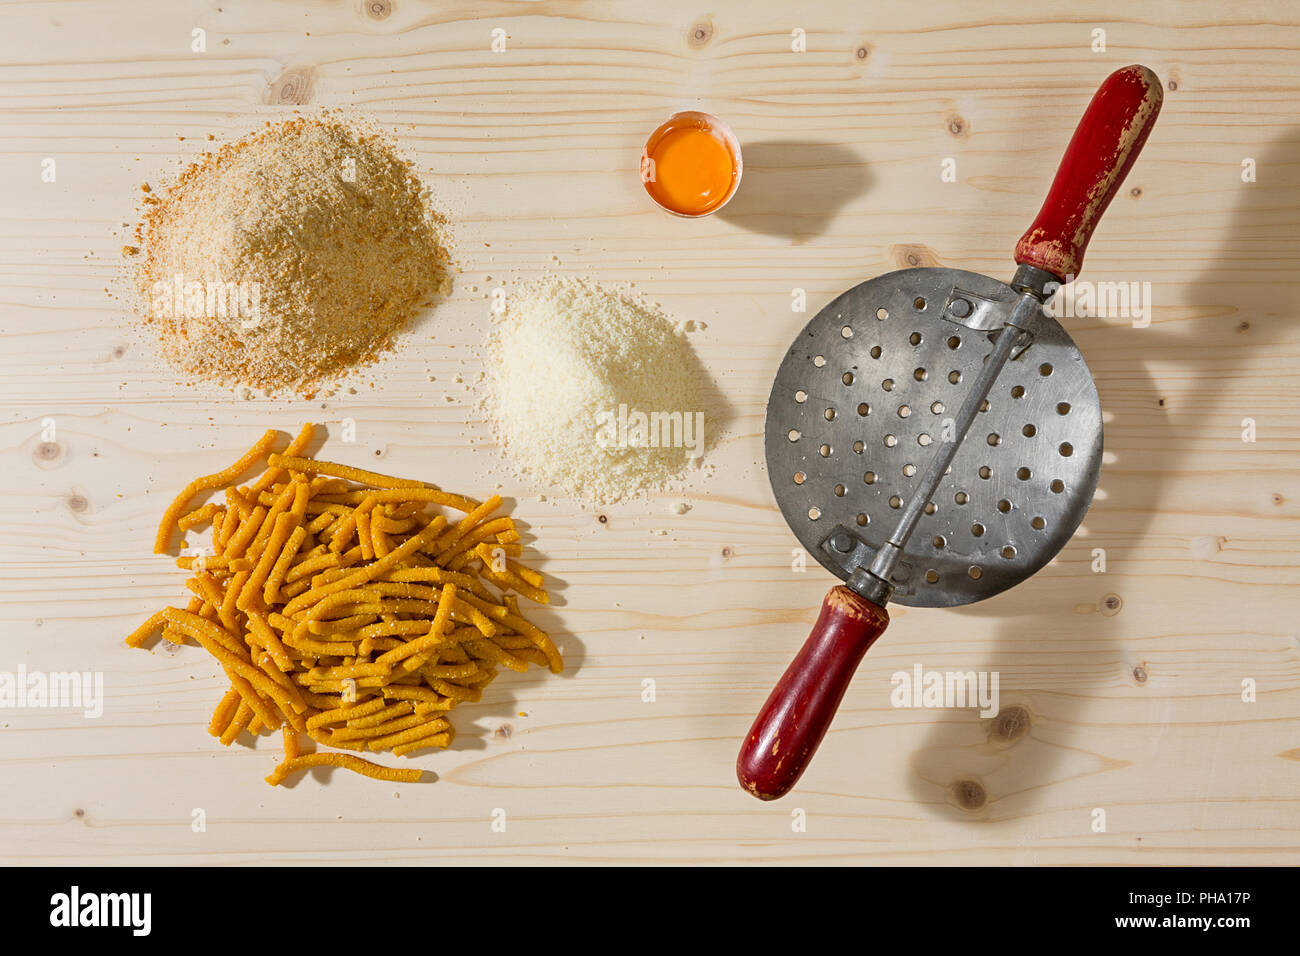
pixel 1135 192
pixel 377 9
pixel 1172 84
pixel 1243 326
pixel 47 453
pixel 969 794
pixel 1011 723
pixel 727 552
pixel 1111 605
pixel 1140 673
pixel 77 504
pixel 119 351
pixel 699 34
pixel 503 732
pixel 862 52
pixel 79 813
pixel 603 519
pixel 295 86
pixel 956 125
pixel 913 256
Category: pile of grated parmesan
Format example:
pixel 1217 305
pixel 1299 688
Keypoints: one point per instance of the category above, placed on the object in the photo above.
pixel 289 257
pixel 570 367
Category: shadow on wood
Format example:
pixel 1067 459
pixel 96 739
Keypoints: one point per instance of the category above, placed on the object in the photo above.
pixel 795 188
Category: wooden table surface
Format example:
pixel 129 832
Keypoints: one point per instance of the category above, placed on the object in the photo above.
pixel 1130 680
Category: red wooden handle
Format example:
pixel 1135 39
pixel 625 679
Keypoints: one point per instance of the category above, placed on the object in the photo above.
pixel 1105 145
pixel 791 724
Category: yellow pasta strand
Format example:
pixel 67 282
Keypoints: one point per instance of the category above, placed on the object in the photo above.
pixel 347 762
pixel 207 483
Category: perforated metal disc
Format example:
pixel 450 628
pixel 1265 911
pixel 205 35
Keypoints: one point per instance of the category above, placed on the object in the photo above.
pixel 876 379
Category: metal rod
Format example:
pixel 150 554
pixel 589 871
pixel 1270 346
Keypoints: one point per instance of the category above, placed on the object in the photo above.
pixel 1022 316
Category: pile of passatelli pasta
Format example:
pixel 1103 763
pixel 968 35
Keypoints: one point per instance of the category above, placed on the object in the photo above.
pixel 342 605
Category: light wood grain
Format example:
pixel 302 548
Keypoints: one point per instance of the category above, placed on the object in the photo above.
pixel 533 153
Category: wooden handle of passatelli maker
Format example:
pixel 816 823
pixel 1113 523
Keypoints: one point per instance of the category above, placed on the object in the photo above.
pixel 799 710
pixel 1104 147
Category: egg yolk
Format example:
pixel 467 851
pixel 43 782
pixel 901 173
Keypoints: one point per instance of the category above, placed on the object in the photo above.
pixel 693 170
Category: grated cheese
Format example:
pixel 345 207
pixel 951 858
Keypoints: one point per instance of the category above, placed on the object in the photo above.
pixel 571 366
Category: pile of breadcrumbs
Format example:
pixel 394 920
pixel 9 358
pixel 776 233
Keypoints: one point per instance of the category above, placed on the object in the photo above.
pixel 289 257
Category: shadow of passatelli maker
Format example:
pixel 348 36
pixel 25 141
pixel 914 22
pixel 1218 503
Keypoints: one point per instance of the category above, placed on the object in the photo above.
pixel 934 436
